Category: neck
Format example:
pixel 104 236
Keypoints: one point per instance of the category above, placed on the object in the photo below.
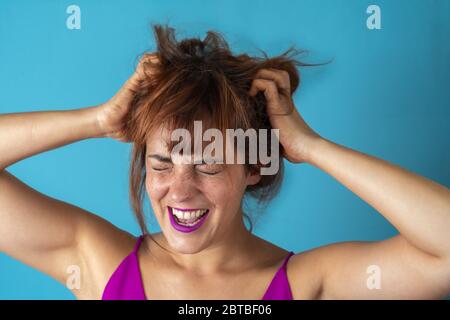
pixel 230 250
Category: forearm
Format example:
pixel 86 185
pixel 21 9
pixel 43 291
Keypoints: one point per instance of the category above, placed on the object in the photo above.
pixel 25 134
pixel 418 207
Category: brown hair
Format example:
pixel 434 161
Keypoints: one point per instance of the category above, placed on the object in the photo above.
pixel 200 80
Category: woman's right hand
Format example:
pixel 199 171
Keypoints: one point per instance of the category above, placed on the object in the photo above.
pixel 111 115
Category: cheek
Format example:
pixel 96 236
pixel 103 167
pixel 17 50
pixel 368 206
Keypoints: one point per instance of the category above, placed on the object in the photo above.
pixel 156 187
pixel 223 191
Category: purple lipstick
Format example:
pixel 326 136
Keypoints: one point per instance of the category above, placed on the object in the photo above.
pixel 187 225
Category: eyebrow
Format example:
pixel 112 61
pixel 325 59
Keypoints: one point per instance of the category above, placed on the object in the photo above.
pixel 160 158
pixel 169 160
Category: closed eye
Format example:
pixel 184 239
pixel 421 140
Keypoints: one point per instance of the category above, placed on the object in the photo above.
pixel 208 169
pixel 209 173
pixel 159 169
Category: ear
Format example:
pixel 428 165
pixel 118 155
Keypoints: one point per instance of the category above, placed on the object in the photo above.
pixel 253 177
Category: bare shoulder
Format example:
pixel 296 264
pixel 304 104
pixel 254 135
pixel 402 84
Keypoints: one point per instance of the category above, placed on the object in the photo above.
pixel 102 246
pixel 382 269
pixel 340 270
pixel 308 269
pixel 303 276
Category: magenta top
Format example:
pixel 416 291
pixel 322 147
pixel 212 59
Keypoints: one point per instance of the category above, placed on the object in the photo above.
pixel 126 282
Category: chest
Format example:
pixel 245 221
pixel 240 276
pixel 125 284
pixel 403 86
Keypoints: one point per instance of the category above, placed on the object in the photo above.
pixel 163 285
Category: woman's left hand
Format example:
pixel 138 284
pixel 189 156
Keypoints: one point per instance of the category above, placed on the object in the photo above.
pixel 296 137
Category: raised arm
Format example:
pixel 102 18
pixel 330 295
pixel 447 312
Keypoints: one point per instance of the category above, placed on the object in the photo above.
pixel 414 264
pixel 43 232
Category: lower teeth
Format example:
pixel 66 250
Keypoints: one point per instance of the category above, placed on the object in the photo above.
pixel 186 223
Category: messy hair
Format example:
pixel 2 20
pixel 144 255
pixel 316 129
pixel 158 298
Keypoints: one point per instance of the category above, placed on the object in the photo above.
pixel 198 79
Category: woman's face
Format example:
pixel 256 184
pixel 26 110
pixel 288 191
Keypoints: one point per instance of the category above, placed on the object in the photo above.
pixel 181 192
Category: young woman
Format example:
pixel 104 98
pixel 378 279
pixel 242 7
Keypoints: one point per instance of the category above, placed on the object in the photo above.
pixel 205 250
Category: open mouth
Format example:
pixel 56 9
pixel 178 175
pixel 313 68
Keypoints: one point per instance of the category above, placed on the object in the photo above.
pixel 187 220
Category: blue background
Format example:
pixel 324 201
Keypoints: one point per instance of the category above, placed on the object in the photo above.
pixel 386 93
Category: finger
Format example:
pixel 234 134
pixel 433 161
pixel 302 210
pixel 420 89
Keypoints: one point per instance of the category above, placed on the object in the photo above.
pixel 147 59
pixel 131 85
pixel 134 80
pixel 280 77
pixel 268 87
pixel 139 73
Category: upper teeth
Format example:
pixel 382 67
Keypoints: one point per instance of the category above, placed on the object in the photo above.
pixel 188 214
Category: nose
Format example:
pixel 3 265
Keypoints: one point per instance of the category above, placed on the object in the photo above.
pixel 181 189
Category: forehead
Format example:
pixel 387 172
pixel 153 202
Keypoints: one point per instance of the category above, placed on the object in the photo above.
pixel 167 135
pixel 159 143
pixel 158 139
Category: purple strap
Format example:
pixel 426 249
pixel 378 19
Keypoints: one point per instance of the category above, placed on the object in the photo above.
pixel 126 281
pixel 138 244
pixel 279 288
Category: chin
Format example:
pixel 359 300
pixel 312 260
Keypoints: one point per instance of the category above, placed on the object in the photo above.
pixel 183 245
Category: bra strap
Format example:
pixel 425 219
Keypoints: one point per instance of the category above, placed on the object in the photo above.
pixel 287 259
pixel 138 243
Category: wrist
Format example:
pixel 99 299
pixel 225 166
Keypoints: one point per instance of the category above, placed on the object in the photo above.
pixel 314 145
pixel 92 122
